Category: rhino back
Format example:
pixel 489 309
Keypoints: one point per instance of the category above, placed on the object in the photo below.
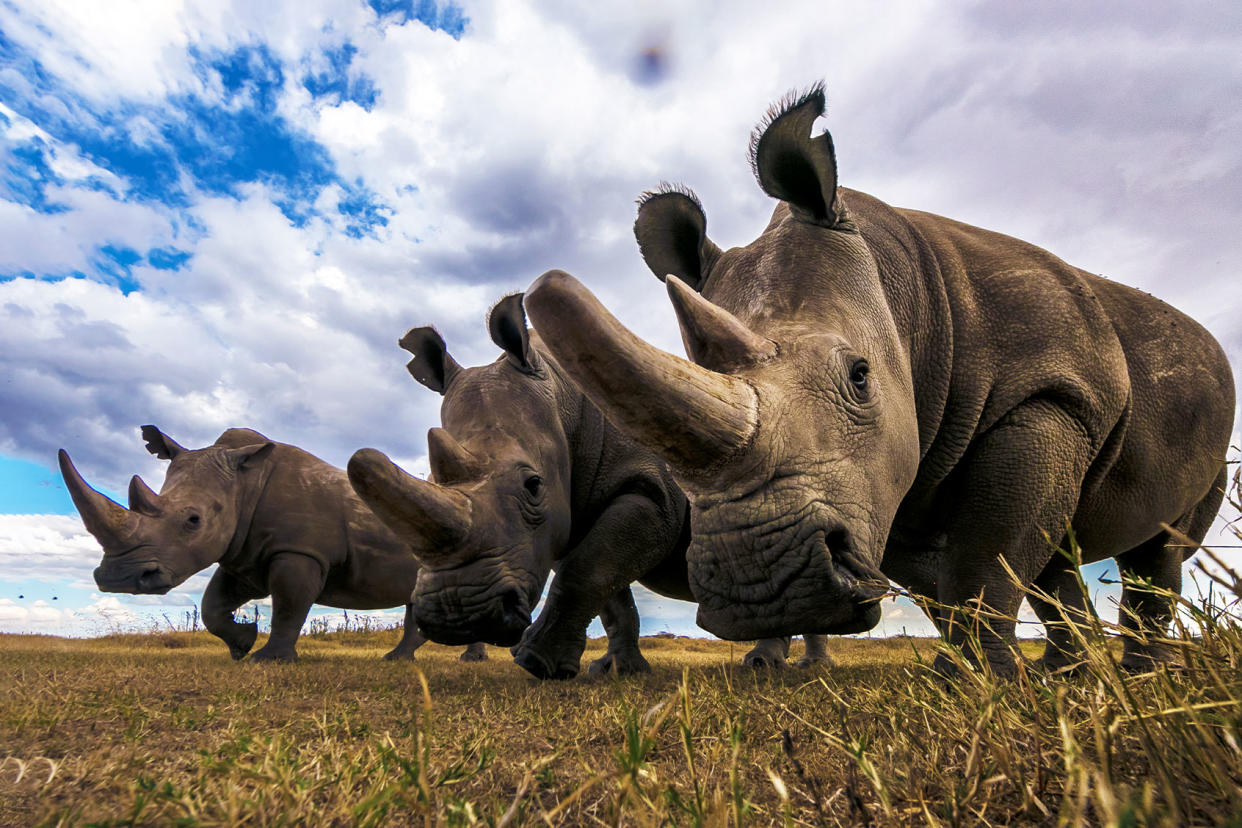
pixel 1006 321
pixel 1177 427
pixel 308 507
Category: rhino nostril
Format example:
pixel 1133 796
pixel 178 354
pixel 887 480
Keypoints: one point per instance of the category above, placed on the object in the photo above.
pixel 512 610
pixel 148 575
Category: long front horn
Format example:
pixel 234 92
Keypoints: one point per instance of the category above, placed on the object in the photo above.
pixel 424 515
pixel 112 524
pixel 693 417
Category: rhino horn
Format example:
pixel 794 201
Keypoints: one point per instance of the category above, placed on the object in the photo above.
pixel 142 500
pixel 451 462
pixel 423 514
pixel 112 524
pixel 690 415
pixel 715 338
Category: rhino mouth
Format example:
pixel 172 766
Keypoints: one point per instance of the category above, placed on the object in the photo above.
pixel 829 589
pixel 134 577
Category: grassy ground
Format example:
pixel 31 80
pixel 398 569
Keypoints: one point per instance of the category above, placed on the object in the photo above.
pixel 164 729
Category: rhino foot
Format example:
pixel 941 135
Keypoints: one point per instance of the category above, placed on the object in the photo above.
pixel 1144 659
pixel 269 655
pixel 763 661
pixel 398 654
pixel 1003 669
pixel 542 668
pixel 475 652
pixel 243 640
pixel 1059 667
pixel 811 661
pixel 623 664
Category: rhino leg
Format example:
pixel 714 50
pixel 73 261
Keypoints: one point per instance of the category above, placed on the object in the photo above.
pixel 1159 561
pixel 620 619
pixel 628 539
pixel 296 581
pixel 224 594
pixel 816 651
pixel 768 653
pixel 1069 607
pixel 411 639
pixel 474 652
pixel 1022 481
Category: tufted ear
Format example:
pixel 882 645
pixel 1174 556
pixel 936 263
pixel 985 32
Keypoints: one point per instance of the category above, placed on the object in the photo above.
pixel 671 229
pixel 793 166
pixel 431 366
pixel 506 322
pixel 160 444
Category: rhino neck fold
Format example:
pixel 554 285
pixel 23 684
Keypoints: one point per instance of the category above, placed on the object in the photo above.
pixel 253 483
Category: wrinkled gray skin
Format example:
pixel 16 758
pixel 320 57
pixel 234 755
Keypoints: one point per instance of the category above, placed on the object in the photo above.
pixel 884 392
pixel 277 520
pixel 526 477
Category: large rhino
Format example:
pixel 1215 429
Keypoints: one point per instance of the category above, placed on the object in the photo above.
pixel 528 476
pixel 278 521
pixel 884 392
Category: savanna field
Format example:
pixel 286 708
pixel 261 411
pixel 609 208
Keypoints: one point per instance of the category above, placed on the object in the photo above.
pixel 164 729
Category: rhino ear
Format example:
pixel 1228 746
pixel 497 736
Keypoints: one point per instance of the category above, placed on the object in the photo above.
pixel 506 322
pixel 794 167
pixel 431 366
pixel 248 456
pixel 671 229
pixel 160 444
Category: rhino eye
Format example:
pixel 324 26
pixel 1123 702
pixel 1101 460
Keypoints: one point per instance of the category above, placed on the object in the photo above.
pixel 192 522
pixel 533 485
pixel 858 374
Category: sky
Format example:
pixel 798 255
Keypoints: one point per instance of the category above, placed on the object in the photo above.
pixel 218 214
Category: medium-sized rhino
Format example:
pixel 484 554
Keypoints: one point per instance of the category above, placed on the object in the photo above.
pixel 278 521
pixel 529 477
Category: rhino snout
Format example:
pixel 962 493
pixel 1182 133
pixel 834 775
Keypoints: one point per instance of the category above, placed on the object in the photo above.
pixel 820 585
pixel 445 617
pixel 139 579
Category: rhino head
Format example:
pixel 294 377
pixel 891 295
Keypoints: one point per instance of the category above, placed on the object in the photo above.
pixel 488 523
pixel 162 539
pixel 792 428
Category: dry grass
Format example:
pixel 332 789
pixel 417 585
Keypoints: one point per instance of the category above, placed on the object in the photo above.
pixel 164 729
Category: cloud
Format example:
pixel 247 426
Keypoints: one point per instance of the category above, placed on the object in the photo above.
pixel 48 548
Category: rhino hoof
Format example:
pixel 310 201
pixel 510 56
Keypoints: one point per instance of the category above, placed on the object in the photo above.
pixel 622 665
pixel 474 655
pixel 1060 666
pixel 1147 661
pixel 808 661
pixel 540 669
pixel 399 655
pixel 763 661
pixel 244 640
pixel 274 657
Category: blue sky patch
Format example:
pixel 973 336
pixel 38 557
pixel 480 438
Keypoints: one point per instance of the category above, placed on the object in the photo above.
pixel 447 17
pixel 167 258
pixel 337 83
pixel 115 264
pixel 362 210
pixel 33 489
